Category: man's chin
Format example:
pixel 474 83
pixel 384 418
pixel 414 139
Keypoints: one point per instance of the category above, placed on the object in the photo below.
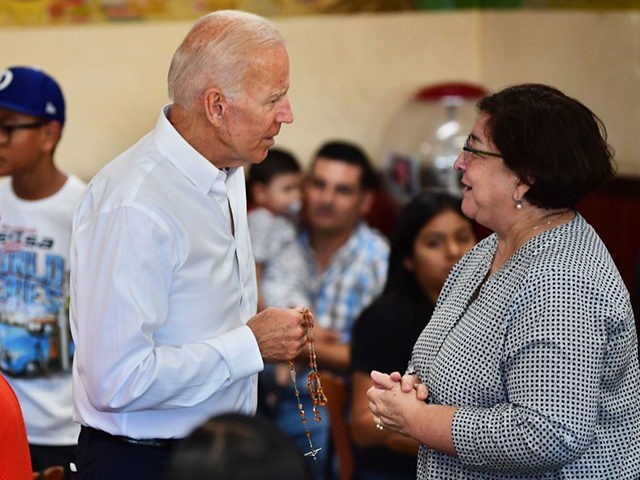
pixel 324 227
pixel 261 157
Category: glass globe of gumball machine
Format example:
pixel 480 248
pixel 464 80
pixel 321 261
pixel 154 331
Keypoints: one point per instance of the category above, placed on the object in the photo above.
pixel 424 138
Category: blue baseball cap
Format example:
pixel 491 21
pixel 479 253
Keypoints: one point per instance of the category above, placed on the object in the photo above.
pixel 31 91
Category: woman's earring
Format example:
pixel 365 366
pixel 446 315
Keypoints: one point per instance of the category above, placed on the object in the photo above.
pixel 519 204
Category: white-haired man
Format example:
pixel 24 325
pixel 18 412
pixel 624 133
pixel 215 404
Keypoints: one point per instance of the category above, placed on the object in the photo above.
pixel 163 279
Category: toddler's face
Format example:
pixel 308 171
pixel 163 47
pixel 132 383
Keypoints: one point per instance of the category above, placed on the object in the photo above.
pixel 283 193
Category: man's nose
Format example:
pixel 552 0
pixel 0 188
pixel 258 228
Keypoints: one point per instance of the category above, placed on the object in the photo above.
pixel 285 115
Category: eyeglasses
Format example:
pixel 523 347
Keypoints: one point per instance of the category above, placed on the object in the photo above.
pixel 480 153
pixel 7 130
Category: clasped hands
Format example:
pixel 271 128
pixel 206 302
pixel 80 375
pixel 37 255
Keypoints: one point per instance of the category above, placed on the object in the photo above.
pixel 395 399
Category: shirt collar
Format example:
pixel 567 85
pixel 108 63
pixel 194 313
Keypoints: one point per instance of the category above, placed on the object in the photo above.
pixel 200 171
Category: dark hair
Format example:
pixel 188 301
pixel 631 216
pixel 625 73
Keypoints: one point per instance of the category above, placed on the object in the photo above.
pixel 352 154
pixel 551 141
pixel 416 214
pixel 234 446
pixel 278 161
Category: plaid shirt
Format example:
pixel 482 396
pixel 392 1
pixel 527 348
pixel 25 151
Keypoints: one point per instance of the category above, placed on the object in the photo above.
pixel 356 275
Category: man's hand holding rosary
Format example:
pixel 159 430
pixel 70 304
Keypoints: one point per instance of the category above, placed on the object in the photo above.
pixel 282 334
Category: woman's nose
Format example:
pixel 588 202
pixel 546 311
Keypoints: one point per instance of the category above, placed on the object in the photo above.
pixel 460 164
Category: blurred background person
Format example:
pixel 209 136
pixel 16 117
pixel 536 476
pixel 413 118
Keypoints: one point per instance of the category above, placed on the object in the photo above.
pixel 430 236
pixel 37 201
pixel 15 462
pixel 274 190
pixel 234 446
pixel 529 363
pixel 336 266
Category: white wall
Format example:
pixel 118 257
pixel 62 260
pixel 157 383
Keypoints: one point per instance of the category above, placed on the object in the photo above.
pixel 594 57
pixel 349 74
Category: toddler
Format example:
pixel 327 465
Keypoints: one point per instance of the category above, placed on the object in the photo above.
pixel 274 188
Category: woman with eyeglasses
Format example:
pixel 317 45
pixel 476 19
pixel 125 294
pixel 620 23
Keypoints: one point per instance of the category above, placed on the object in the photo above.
pixel 528 367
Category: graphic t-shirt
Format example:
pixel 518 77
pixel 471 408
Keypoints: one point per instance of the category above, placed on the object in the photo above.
pixel 35 341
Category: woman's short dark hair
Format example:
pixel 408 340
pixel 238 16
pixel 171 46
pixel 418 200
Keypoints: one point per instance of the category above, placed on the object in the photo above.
pixel 422 208
pixel 234 446
pixel 551 141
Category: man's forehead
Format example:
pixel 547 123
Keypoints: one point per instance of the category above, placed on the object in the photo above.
pixel 341 172
pixel 335 162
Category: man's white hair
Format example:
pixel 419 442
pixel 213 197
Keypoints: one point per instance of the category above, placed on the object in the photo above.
pixel 217 51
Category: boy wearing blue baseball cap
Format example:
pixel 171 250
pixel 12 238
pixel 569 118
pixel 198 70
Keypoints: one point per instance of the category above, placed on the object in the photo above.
pixel 37 201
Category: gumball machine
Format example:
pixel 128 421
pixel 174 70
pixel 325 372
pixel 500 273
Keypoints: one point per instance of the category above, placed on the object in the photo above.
pixel 424 138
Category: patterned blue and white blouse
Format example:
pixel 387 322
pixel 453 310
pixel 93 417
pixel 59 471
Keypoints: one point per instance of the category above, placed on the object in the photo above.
pixel 542 361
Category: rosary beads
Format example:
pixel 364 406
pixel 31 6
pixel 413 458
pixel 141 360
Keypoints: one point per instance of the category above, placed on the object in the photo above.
pixel 318 398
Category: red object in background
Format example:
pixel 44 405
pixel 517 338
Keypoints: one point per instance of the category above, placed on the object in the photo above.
pixel 438 91
pixel 613 211
pixel 405 171
pixel 423 138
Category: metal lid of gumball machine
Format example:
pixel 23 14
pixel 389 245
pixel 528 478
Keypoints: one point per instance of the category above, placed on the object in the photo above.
pixel 423 139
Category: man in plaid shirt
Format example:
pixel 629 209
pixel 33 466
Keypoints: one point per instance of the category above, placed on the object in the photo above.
pixel 336 268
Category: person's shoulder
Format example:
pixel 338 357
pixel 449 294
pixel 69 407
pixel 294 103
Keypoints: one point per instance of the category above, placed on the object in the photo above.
pixel 6 192
pixel 285 227
pixel 478 253
pixel 75 184
pixel 366 230
pixel 72 193
pixel 373 315
pixel 125 176
pixel 390 314
pixel 572 245
pixel 372 239
pixel 294 249
pixel 5 184
pixel 260 215
pixel 291 255
pixel 384 306
pixel 575 253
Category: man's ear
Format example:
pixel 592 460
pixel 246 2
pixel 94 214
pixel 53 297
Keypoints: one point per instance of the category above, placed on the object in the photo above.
pixel 214 105
pixel 51 133
pixel 367 202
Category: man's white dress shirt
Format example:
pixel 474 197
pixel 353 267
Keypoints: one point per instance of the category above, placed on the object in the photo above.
pixel 161 290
